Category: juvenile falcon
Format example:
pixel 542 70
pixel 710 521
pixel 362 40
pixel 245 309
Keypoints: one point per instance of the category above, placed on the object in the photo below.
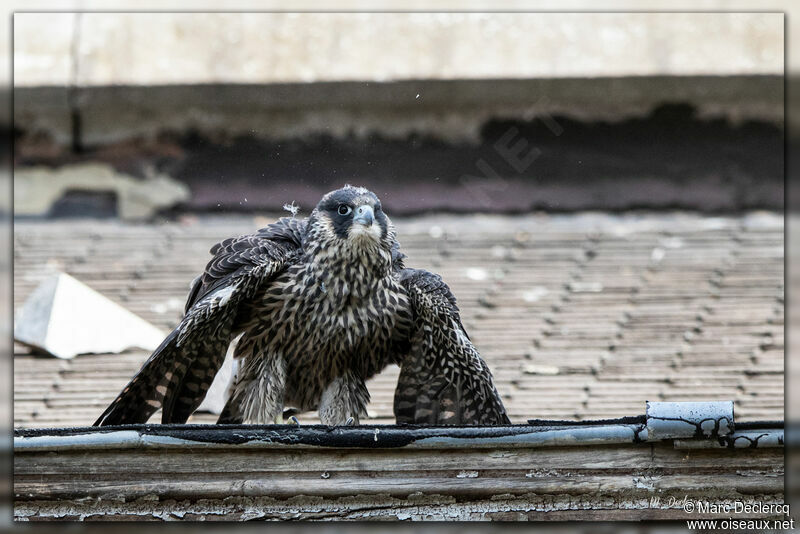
pixel 316 307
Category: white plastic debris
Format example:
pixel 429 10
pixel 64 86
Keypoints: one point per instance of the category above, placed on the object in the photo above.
pixel 65 318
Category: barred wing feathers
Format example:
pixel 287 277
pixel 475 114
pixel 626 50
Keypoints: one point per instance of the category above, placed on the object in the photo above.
pixel 443 379
pixel 178 374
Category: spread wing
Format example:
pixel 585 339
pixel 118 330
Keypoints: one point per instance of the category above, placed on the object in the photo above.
pixel 237 256
pixel 443 379
pixel 178 374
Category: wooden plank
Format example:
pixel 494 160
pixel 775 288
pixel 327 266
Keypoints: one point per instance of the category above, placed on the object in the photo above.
pixel 541 460
pixel 186 472
pixel 220 486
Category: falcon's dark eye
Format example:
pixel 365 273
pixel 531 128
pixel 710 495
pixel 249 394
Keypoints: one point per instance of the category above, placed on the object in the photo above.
pixel 344 209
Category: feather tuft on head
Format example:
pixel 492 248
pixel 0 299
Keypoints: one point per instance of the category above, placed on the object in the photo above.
pixel 291 208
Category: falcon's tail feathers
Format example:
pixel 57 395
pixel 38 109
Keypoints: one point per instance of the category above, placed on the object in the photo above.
pixel 144 394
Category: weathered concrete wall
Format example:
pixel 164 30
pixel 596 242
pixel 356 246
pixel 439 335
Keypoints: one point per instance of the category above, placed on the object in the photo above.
pixel 182 48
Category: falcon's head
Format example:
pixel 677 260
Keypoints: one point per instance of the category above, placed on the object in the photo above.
pixel 351 220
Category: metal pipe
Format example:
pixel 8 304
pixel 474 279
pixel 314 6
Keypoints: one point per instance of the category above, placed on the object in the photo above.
pixel 690 424
pixel 746 439
pixel 373 437
pixel 671 420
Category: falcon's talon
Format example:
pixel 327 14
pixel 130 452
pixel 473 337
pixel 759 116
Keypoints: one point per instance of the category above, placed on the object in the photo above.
pixel 293 421
pixel 292 295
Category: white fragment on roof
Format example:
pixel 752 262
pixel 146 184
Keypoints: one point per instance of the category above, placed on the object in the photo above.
pixel 671 242
pixel 499 251
pixel 534 369
pixel 476 273
pixel 657 255
pixel 65 317
pixel 586 287
pixel 534 294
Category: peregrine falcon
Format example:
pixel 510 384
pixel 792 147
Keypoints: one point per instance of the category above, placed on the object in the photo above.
pixel 315 308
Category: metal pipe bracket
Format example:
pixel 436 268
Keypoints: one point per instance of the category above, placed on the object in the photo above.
pixel 671 420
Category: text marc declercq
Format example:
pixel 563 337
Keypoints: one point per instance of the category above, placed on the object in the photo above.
pixel 739 507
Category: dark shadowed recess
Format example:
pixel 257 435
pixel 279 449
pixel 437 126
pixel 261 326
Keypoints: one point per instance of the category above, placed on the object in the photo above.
pixel 670 159
pixel 81 203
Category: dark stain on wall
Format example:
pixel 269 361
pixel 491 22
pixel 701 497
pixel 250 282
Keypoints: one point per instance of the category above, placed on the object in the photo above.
pixel 670 159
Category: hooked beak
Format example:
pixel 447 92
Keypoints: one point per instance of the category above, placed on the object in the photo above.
pixel 364 215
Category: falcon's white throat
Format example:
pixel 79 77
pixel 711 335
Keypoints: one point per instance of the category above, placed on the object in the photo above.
pixel 350 266
pixel 360 231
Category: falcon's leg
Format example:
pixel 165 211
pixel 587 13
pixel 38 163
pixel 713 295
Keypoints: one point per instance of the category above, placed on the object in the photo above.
pixel 343 401
pixel 257 391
